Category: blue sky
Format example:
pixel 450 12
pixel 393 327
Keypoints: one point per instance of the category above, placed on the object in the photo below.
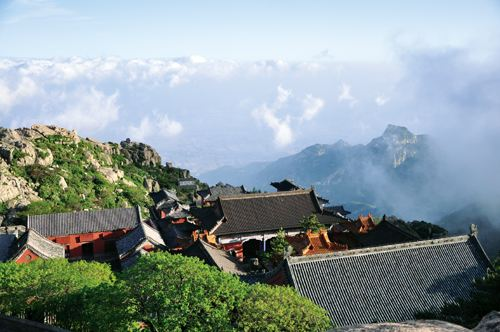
pixel 231 82
pixel 237 30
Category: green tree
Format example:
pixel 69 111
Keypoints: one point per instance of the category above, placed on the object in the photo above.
pixel 311 223
pixel 177 293
pixel 279 308
pixel 278 249
pixel 106 307
pixel 40 288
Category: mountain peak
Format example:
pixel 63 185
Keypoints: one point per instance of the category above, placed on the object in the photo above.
pixel 393 130
pixel 341 144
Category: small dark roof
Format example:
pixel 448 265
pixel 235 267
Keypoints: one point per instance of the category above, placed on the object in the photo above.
pixel 59 224
pixel 285 185
pixel 389 283
pixel 204 193
pixel 221 189
pixel 40 245
pixel 6 242
pixel 175 235
pixel 206 216
pixel 385 233
pixel 133 239
pixel 265 211
pixel 163 195
pixel 215 257
pixel 323 200
pixel 336 209
pixel 328 220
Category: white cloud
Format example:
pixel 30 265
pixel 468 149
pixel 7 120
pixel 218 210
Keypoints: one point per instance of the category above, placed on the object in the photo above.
pixel 10 97
pixel 346 96
pixel 312 106
pixel 160 124
pixel 282 131
pixel 139 133
pixel 268 66
pixel 168 127
pixel 87 109
pixel 381 100
pixel 282 98
pixel 282 125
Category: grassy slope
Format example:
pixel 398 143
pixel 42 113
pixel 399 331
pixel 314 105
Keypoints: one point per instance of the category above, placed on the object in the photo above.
pixel 87 188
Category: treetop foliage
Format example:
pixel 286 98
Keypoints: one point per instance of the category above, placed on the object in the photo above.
pixel 161 292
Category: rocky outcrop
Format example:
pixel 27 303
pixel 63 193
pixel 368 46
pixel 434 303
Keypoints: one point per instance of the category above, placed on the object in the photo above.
pixel 151 185
pixel 409 326
pixel 490 322
pixel 140 153
pixel 62 183
pixel 45 131
pixel 112 175
pixel 14 191
pixel 49 162
pixel 19 144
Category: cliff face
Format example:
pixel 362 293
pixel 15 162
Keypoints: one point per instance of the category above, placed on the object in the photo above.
pixel 50 169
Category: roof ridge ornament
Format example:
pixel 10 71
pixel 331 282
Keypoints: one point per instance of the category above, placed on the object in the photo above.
pixel 473 230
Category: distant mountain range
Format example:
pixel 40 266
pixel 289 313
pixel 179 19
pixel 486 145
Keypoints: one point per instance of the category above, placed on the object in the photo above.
pixel 393 174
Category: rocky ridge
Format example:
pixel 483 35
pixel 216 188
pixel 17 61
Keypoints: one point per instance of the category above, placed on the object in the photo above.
pixel 47 163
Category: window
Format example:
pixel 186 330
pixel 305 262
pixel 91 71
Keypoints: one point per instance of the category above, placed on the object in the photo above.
pixel 77 239
pixel 28 257
pixel 101 236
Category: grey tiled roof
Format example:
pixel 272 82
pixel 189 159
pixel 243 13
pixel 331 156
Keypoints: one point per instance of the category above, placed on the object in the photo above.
pixel 84 221
pixel 224 190
pixel 163 195
pixel 214 256
pixel 6 241
pixel 40 245
pixel 265 212
pixel 389 283
pixel 133 239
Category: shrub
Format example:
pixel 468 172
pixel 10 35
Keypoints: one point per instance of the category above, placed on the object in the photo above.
pixel 279 308
pixel 311 223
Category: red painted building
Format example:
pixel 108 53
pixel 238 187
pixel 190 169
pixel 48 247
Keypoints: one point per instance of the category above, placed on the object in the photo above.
pixel 32 246
pixel 87 234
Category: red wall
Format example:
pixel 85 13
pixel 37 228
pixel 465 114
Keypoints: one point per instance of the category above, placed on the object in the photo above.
pixel 25 257
pixel 99 239
pixel 236 246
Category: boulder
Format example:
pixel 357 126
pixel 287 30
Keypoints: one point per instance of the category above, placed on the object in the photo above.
pixel 408 326
pixel 151 185
pixel 128 182
pixel 91 160
pixel 490 322
pixel 44 157
pixel 62 183
pixel 140 153
pixel 45 131
pixel 15 191
pixel 112 175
